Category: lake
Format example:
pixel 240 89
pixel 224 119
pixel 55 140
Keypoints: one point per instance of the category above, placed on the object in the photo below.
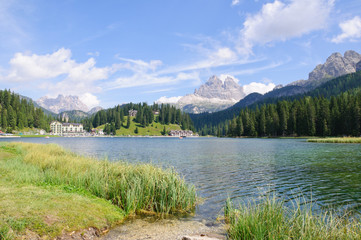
pixel 243 169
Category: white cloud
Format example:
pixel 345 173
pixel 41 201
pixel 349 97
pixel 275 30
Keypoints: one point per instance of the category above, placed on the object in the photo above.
pixel 57 73
pixel 171 100
pixel 26 67
pixel 90 100
pixel 258 87
pixel 279 21
pixel 351 30
pixel 235 2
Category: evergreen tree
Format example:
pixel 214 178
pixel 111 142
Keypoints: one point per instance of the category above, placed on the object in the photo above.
pixel 117 120
pixel 4 118
pixel 128 122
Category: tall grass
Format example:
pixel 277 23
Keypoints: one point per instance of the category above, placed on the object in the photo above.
pixel 336 140
pixel 132 187
pixel 270 219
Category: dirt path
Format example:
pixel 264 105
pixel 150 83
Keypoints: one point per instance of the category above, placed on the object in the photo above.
pixel 165 229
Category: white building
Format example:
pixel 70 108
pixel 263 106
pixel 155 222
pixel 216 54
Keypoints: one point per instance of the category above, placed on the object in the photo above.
pixel 58 128
pixel 181 133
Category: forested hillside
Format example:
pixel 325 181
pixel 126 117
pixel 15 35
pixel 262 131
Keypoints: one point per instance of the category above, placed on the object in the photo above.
pixel 115 118
pixel 218 123
pixel 308 116
pixel 17 113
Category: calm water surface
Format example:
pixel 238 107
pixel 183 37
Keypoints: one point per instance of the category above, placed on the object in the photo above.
pixel 242 169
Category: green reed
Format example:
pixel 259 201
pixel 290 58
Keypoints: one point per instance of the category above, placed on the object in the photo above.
pixel 270 219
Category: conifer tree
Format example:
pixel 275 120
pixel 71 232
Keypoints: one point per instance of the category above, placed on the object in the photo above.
pixel 128 122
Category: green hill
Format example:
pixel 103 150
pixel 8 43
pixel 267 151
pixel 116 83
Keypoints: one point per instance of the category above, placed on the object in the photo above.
pixel 153 129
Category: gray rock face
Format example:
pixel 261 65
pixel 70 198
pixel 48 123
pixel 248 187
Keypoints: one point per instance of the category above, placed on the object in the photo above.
pixel 336 65
pixel 358 66
pixel 216 88
pixel 95 110
pixel 62 103
pixel 214 95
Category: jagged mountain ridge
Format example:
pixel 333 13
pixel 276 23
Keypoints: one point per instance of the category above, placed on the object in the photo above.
pixel 65 103
pixel 214 95
pixel 336 65
pixel 62 103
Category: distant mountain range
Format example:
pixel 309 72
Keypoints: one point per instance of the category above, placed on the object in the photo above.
pixel 219 94
pixel 336 75
pixel 63 103
pixel 222 93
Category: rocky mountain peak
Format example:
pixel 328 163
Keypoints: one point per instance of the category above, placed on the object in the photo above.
pixel 352 55
pixel 335 66
pixel 216 94
pixel 216 88
pixel 62 103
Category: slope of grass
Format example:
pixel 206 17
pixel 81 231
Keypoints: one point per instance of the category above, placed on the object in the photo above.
pixel 47 190
pixel 153 129
pixel 336 140
pixel 270 219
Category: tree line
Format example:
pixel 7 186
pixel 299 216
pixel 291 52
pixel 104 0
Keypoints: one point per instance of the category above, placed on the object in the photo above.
pixel 118 117
pixel 17 113
pixel 307 116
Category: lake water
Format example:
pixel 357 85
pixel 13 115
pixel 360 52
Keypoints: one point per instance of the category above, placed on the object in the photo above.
pixel 243 169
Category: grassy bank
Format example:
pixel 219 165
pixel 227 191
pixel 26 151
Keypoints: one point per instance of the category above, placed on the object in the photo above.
pixel 153 129
pixel 48 191
pixel 270 219
pixel 336 140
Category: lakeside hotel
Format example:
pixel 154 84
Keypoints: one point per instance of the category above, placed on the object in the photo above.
pixel 58 128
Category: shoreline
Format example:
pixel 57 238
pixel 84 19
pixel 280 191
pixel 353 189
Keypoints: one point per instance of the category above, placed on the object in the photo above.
pixel 66 194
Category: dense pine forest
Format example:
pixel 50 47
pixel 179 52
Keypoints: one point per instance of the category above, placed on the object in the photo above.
pixel 309 116
pixel 114 118
pixel 332 109
pixel 17 113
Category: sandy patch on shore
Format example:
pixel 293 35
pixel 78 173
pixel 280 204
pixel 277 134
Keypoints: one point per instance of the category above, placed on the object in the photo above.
pixel 165 229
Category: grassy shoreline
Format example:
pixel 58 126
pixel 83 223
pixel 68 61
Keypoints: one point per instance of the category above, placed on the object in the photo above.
pixel 63 192
pixel 270 219
pixel 336 140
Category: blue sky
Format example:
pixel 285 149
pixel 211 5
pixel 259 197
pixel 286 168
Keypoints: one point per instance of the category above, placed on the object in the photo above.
pixel 112 52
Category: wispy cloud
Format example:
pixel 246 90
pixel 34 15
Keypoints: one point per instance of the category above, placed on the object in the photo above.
pixel 235 2
pixel 351 30
pixel 12 26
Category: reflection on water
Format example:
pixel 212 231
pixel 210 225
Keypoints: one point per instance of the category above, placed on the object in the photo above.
pixel 241 168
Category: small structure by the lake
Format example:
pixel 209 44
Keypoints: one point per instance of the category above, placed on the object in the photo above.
pixel 97 132
pixel 66 129
pixel 181 133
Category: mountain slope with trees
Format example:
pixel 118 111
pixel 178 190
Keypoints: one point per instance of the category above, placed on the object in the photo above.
pixel 212 123
pixel 17 113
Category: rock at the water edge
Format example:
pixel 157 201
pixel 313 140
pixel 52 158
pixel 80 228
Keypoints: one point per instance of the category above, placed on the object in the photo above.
pixel 200 237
